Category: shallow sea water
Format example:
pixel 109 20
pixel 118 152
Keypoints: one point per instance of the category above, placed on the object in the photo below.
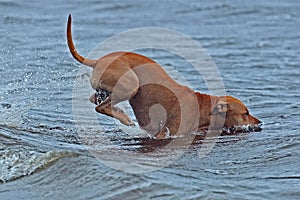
pixel 44 153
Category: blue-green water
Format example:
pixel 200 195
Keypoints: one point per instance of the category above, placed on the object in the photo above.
pixel 255 46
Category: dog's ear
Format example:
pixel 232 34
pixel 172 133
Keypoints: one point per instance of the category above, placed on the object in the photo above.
pixel 221 107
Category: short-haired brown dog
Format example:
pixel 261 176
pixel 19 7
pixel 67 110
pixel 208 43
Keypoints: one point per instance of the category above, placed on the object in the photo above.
pixel 161 106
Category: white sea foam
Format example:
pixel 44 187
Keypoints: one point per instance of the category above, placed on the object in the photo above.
pixel 16 163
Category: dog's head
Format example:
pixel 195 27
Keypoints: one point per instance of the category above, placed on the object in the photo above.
pixel 234 115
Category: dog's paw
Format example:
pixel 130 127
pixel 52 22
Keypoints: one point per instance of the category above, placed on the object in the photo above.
pixel 164 134
pixel 131 123
pixel 127 122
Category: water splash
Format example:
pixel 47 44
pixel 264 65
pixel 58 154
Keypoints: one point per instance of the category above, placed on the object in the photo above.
pixel 17 163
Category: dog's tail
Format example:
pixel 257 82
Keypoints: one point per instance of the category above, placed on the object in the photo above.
pixel 72 48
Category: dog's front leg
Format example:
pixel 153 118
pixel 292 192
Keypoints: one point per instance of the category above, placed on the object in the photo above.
pixel 115 112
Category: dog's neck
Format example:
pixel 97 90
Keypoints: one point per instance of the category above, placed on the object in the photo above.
pixel 206 103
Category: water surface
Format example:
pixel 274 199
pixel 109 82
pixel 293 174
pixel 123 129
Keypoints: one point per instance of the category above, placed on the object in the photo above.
pixel 255 46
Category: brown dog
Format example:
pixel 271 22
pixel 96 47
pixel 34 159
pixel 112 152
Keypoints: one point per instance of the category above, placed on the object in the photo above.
pixel 161 106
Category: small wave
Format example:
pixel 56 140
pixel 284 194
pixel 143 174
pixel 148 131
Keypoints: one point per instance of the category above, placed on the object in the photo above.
pixel 15 164
pixel 201 8
pixel 9 4
pixel 115 7
pixel 284 177
pixel 217 171
pixel 17 20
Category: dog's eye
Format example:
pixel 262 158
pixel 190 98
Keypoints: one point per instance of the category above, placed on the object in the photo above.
pixel 246 114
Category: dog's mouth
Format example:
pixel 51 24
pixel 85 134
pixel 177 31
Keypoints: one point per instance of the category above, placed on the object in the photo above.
pixel 101 96
pixel 241 129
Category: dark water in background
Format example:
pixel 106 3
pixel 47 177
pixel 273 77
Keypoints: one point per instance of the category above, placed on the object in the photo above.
pixel 256 46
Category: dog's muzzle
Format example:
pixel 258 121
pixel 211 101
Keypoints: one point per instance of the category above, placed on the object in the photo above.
pixel 242 129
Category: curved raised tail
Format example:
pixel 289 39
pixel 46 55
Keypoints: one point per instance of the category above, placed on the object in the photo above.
pixel 72 48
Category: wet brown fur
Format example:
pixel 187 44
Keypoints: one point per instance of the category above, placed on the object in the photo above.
pixel 159 103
